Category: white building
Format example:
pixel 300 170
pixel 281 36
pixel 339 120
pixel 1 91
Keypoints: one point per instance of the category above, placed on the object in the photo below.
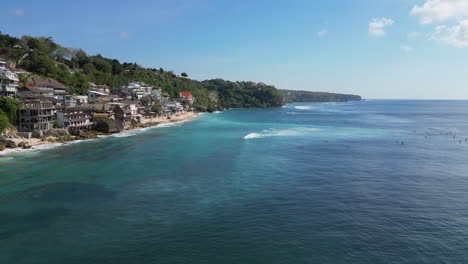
pixel 74 120
pixel 8 80
pixel 81 99
pixel 139 90
pixel 156 93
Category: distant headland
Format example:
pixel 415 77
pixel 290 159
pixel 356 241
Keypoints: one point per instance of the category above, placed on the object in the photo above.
pixel 291 96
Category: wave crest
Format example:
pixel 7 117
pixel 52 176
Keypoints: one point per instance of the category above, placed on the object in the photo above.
pixel 304 107
pixel 296 131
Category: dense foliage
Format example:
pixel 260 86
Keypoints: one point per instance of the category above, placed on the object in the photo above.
pixel 8 113
pixel 10 108
pixel 75 68
pixel 4 124
pixel 291 96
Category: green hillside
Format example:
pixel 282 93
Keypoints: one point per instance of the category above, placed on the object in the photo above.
pixel 75 68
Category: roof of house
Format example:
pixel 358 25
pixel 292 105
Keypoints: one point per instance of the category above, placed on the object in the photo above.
pixel 60 92
pixel 30 89
pixel 48 82
pixel 185 94
pixel 95 92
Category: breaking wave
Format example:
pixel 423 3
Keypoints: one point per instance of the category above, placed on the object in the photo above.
pixel 291 132
pixel 304 107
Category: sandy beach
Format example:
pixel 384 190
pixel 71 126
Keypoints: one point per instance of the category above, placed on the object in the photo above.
pixel 37 143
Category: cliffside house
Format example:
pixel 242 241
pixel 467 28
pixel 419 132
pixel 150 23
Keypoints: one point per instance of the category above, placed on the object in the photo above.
pixel 165 97
pixel 36 114
pixel 139 90
pixel 8 81
pixel 187 97
pixel 94 96
pixel 81 99
pixel 48 86
pixel 127 113
pixel 69 101
pixel 102 88
pixel 156 93
pixel 75 120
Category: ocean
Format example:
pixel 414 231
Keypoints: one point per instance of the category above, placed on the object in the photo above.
pixel 380 181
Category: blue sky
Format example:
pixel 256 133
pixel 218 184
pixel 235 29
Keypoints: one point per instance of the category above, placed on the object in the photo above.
pixel 408 49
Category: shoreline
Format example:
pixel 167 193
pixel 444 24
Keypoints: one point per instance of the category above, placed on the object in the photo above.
pixel 39 144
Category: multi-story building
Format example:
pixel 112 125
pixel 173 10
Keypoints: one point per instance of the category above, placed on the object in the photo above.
pixel 139 90
pixel 8 81
pixel 75 120
pixel 48 87
pixel 36 114
pixel 127 113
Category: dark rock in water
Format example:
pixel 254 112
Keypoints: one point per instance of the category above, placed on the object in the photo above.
pixel 2 146
pixel 27 146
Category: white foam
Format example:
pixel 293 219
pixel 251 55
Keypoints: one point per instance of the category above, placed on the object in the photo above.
pixel 296 131
pixel 14 151
pixel 304 107
pixel 9 152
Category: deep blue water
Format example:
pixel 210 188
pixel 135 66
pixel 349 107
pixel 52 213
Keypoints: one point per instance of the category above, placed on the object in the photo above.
pixel 308 183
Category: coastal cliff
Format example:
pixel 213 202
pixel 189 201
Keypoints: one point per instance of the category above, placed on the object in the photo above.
pixel 291 96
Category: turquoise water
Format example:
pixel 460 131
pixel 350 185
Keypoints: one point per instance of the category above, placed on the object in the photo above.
pixel 307 183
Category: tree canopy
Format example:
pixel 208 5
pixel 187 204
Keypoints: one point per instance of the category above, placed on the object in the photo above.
pixel 75 68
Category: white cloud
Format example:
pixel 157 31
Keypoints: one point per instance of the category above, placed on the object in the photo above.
pixel 406 48
pixel 377 26
pixel 125 34
pixel 456 36
pixel 322 33
pixel 414 34
pixel 440 10
pixel 18 12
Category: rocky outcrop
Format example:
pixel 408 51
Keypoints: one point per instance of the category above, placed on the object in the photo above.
pixel 2 146
pixel 10 144
pixel 22 144
pixel 37 134
pixel 57 133
pixel 109 126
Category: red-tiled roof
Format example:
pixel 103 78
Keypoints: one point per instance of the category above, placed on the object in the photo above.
pixel 185 94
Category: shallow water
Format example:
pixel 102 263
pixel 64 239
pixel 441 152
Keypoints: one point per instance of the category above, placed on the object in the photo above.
pixel 307 183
